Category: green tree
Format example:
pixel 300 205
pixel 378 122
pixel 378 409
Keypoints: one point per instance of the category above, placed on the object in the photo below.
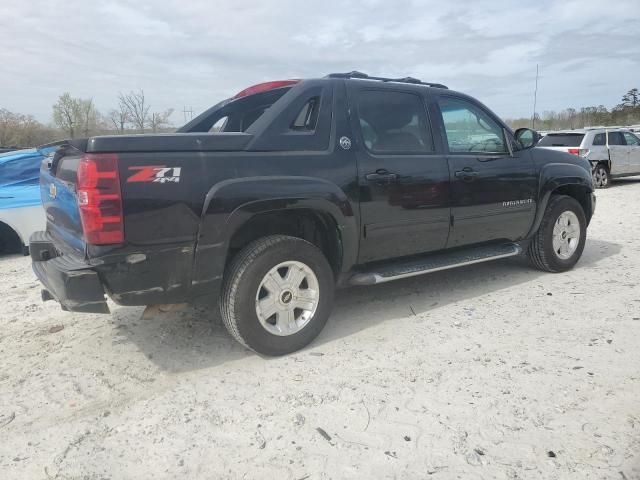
pixel 631 99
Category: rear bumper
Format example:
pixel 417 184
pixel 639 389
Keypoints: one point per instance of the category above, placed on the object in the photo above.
pixel 67 279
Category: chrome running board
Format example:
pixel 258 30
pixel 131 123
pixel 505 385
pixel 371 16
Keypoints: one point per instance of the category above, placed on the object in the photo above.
pixel 433 263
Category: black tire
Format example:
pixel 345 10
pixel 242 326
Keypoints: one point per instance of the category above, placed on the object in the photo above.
pixel 242 282
pixel 601 176
pixel 9 240
pixel 541 252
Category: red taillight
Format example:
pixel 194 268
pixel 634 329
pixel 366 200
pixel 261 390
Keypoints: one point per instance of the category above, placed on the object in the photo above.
pixel 574 151
pixel 99 199
pixel 264 87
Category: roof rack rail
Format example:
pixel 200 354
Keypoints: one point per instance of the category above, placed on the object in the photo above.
pixel 364 76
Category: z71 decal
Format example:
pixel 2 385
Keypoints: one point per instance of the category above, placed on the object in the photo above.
pixel 155 174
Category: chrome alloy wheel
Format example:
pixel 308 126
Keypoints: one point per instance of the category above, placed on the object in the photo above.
pixel 566 235
pixel 287 298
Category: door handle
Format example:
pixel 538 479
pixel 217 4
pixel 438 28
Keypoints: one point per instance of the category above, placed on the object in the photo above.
pixel 381 175
pixel 467 174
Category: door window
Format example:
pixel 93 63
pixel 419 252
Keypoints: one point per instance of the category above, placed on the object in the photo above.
pixel 615 138
pixel 470 129
pixel 394 122
pixel 631 139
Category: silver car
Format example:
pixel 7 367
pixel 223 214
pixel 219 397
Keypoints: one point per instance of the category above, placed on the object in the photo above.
pixel 612 152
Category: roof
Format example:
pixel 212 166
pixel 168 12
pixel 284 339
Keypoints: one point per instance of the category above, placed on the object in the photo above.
pixel 363 76
pixel 584 131
pixel 577 131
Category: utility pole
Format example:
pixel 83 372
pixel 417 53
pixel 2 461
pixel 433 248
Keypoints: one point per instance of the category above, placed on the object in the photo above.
pixel 187 113
pixel 535 101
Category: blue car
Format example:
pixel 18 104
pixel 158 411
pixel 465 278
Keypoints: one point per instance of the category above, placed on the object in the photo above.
pixel 21 211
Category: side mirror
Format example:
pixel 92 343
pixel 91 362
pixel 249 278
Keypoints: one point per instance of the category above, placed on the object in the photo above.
pixel 527 138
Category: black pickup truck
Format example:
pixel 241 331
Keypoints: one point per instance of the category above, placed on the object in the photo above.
pixel 270 199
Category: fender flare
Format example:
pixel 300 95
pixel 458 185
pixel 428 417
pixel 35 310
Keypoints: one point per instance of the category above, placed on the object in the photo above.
pixel 231 203
pixel 554 176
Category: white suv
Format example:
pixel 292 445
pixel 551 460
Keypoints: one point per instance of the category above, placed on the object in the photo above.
pixel 612 152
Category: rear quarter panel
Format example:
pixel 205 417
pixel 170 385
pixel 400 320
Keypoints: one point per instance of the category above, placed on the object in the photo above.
pixel 182 207
pixel 183 226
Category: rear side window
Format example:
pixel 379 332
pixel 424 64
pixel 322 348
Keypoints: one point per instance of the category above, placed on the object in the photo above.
pixel 599 140
pixel 235 114
pixel 394 122
pixel 307 118
pixel 562 140
pixel 220 125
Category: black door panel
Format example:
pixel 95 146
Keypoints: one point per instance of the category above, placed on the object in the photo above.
pixel 407 215
pixel 493 187
pixel 498 202
pixel 404 183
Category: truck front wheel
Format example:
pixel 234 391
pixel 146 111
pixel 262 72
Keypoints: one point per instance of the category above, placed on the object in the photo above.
pixel 277 294
pixel 559 242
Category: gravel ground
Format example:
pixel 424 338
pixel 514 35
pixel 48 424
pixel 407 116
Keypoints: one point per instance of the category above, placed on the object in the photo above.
pixel 490 371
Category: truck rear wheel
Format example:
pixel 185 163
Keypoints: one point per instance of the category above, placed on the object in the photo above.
pixel 277 294
pixel 559 242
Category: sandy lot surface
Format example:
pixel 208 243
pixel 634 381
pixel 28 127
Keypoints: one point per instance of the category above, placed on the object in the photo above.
pixel 491 371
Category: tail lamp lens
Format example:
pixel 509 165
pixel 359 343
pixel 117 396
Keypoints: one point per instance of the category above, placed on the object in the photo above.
pixel 100 199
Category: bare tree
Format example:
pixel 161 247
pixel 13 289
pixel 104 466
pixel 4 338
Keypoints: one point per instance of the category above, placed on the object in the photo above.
pixel 136 107
pixel 158 120
pixel 120 117
pixel 88 116
pixel 8 121
pixel 66 114
pixel 23 130
pixel 571 114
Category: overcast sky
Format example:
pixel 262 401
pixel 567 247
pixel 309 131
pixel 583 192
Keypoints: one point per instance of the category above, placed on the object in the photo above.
pixel 196 52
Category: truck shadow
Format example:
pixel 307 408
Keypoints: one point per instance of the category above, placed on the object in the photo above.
pixel 622 182
pixel 196 338
pixel 418 295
